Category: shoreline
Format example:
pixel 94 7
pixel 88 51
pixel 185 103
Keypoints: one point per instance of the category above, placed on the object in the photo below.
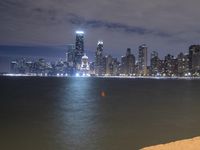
pixel 186 144
pixel 114 77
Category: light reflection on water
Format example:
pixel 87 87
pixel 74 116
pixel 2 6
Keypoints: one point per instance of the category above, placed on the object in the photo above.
pixel 69 113
pixel 78 113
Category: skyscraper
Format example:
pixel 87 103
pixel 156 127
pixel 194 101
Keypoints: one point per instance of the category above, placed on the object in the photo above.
pixel 183 64
pixel 70 54
pixel 70 59
pixel 194 59
pixel 142 60
pixel 108 64
pixel 155 64
pixel 85 66
pixel 99 64
pixel 79 48
pixel 171 65
pixel 128 63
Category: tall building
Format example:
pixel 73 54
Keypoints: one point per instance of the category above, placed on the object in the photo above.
pixel 123 66
pixel 99 60
pixel 92 68
pixel 85 66
pixel 171 65
pixel 115 67
pixel 142 60
pixel 194 59
pixel 79 48
pixel 183 65
pixel 70 59
pixel 155 64
pixel 70 55
pixel 128 63
pixel 108 65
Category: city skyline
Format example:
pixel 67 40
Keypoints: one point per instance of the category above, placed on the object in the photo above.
pixel 52 56
pixel 77 63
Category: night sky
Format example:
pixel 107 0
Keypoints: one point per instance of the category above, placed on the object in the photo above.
pixel 167 26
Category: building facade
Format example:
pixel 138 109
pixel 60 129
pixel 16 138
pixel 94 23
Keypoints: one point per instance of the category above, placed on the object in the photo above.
pixel 85 68
pixel 128 63
pixel 99 60
pixel 155 64
pixel 142 60
pixel 183 65
pixel 194 59
pixel 79 49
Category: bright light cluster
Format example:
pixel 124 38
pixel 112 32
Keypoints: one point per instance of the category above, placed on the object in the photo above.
pixel 83 75
pixel 77 75
pixel 100 42
pixel 79 32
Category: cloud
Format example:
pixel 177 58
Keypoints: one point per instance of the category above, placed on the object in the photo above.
pixel 163 25
pixel 10 3
pixel 82 22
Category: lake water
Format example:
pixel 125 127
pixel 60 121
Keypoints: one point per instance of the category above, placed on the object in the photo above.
pixel 70 113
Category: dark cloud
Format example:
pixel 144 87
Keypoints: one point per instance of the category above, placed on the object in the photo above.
pixel 38 10
pixel 11 3
pixel 80 21
pixel 166 26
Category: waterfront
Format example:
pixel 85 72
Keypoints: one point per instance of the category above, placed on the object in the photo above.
pixel 69 113
pixel 186 144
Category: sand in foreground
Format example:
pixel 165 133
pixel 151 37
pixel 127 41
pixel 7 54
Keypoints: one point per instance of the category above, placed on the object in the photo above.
pixel 189 144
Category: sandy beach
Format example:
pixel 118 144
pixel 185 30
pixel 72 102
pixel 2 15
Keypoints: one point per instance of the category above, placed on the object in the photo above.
pixel 188 144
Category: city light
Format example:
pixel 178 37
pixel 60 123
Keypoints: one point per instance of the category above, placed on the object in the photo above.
pixel 77 75
pixel 77 63
pixel 100 42
pixel 79 32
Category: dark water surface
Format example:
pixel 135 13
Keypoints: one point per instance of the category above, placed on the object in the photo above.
pixel 70 114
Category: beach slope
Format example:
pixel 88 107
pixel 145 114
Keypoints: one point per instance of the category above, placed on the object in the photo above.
pixel 188 144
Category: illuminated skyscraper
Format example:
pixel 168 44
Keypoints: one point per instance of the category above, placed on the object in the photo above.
pixel 171 65
pixel 183 64
pixel 79 48
pixel 70 55
pixel 155 64
pixel 130 62
pixel 108 64
pixel 70 59
pixel 85 66
pixel 194 59
pixel 99 64
pixel 142 60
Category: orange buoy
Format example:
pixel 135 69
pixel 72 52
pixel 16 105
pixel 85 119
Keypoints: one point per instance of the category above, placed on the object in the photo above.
pixel 103 94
